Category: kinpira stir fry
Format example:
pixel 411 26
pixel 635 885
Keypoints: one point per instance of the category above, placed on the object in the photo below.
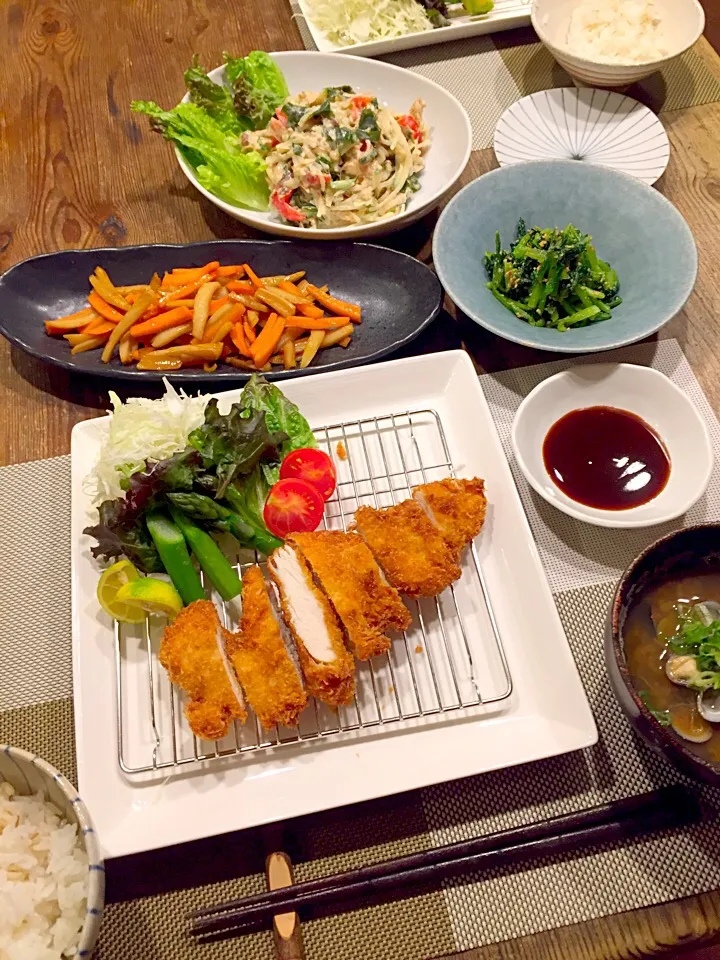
pixel 552 278
pixel 202 316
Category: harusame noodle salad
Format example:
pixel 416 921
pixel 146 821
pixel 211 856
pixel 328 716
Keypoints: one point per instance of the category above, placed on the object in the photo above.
pixel 337 158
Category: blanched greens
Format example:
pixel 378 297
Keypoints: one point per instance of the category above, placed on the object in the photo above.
pixel 552 278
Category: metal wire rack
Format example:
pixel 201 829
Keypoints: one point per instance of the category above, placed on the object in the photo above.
pixel 449 664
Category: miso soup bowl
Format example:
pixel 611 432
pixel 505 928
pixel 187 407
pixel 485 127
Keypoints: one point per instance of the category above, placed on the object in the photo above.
pixel 685 552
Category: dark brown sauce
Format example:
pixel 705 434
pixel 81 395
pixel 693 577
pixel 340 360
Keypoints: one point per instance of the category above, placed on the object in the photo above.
pixel 606 458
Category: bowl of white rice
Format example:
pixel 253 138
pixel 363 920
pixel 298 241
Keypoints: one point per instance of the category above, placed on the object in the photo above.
pixel 614 43
pixel 52 878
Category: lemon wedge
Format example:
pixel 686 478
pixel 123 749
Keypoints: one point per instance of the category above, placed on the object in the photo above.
pixel 148 595
pixel 111 581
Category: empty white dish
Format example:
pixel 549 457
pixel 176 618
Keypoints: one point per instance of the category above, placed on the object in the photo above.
pixel 597 126
pixel 648 394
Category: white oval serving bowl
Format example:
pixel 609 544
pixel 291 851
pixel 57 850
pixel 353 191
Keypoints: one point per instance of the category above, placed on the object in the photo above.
pixel 641 390
pixel 445 161
pixel 30 774
pixel 551 18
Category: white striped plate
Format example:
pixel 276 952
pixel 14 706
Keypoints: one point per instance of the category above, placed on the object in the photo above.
pixel 592 125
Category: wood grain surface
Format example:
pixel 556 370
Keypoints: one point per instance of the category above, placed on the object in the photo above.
pixel 77 170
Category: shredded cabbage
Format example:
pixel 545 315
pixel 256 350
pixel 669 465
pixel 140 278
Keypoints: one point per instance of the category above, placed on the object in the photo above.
pixel 361 21
pixel 142 429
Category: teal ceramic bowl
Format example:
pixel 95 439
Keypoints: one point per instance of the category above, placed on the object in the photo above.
pixel 633 227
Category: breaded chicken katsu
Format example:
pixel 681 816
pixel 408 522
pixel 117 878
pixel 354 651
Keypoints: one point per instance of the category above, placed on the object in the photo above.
pixel 456 507
pixel 192 652
pixel 327 665
pixel 409 548
pixel 264 659
pixel 338 600
pixel 347 572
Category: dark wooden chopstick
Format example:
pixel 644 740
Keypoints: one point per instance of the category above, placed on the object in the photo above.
pixel 634 816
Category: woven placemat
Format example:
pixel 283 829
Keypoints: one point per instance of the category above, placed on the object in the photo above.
pixel 489 73
pixel 150 894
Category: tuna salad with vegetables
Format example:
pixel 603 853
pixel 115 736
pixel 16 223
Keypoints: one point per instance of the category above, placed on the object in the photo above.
pixel 327 159
pixel 337 158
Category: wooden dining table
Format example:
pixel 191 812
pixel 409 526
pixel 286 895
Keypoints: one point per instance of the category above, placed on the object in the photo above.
pixel 77 170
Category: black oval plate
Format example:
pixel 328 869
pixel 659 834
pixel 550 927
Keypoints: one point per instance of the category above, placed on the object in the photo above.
pixel 399 297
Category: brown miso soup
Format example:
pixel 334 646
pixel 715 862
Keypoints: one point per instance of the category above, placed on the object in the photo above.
pixel 653 618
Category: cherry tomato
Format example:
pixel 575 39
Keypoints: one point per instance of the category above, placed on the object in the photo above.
pixel 313 466
pixel 292 506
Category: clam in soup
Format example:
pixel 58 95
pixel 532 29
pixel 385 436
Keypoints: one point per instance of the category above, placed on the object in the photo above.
pixel 672 648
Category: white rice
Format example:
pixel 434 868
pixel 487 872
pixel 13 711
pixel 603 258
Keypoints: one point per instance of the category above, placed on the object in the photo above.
pixel 43 880
pixel 622 31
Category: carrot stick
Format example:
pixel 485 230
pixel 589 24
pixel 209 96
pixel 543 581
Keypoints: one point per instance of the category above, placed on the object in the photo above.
pixel 309 310
pixel 233 271
pixel 103 308
pixel 237 335
pixel 187 290
pixel 254 278
pixel 240 286
pixel 249 333
pixel 74 321
pixel 216 304
pixel 98 327
pixel 190 274
pixel 340 307
pixel 325 323
pixel 265 345
pixel 289 287
pixel 163 321
pixel 217 321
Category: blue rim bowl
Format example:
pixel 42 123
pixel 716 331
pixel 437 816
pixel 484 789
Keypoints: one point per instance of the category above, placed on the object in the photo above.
pixel 633 227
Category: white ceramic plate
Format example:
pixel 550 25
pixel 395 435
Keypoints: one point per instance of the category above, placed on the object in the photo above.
pixel 643 391
pixel 396 88
pixel 546 713
pixel 592 125
pixel 505 15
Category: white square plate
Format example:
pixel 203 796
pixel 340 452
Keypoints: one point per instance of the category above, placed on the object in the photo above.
pixel 545 714
pixel 505 15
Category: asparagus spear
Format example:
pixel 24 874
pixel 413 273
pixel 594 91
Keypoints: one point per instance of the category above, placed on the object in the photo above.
pixel 200 507
pixel 209 555
pixel 174 554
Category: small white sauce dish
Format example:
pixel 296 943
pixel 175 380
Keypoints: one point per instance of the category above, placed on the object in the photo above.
pixel 648 394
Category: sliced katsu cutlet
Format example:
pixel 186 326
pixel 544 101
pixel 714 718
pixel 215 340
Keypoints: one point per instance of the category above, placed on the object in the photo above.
pixel 346 570
pixel 456 507
pixel 409 548
pixel 192 652
pixel 327 665
pixel 264 657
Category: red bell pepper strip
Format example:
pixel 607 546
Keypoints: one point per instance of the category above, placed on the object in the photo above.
pixel 282 205
pixel 411 124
